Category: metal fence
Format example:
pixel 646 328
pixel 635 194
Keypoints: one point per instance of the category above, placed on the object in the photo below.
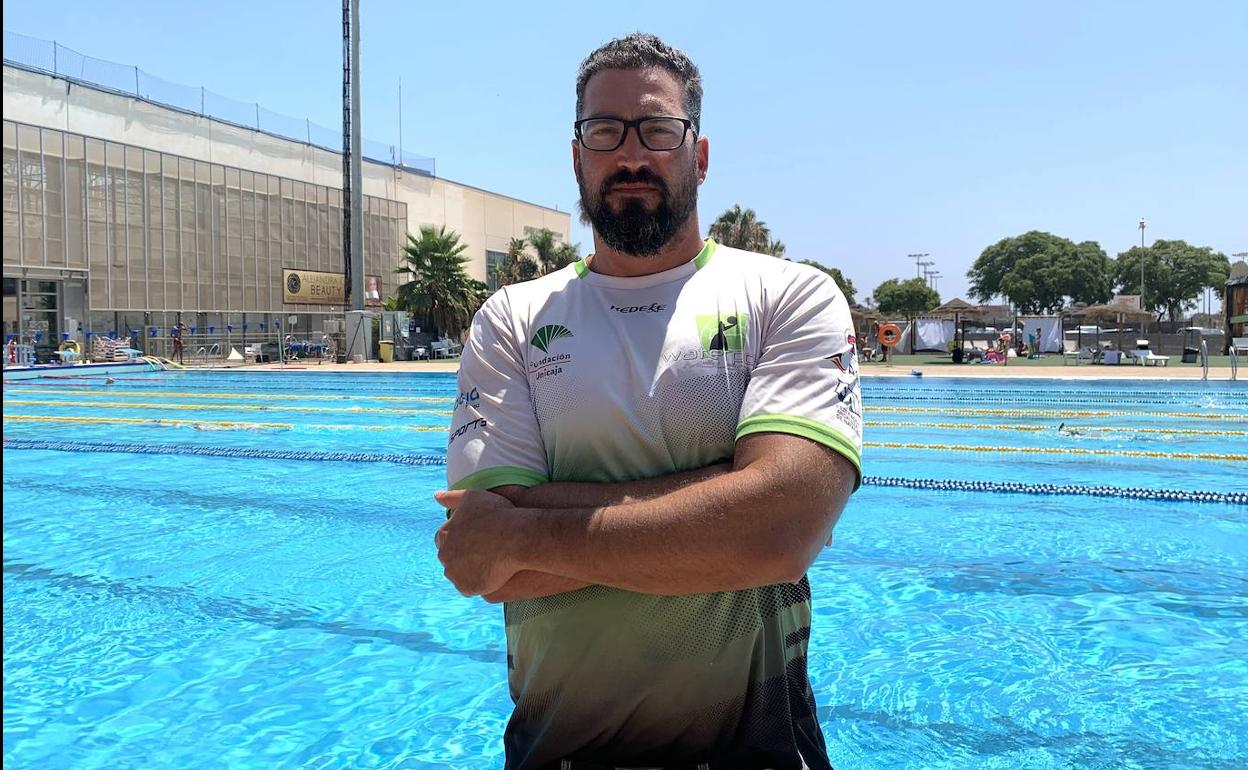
pixel 51 58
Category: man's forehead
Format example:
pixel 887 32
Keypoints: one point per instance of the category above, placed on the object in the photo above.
pixel 642 90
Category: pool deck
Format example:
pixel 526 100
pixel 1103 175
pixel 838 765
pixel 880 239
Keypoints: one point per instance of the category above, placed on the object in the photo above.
pixel 943 369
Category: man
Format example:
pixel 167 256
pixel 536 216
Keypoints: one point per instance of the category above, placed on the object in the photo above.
pixel 668 431
pixel 178 343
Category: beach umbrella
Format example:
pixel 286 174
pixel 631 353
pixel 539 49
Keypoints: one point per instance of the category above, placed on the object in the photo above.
pixel 958 308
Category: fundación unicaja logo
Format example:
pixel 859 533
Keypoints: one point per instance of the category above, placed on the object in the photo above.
pixel 548 334
pixel 725 333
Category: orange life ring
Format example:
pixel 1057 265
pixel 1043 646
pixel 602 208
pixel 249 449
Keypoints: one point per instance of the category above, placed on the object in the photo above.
pixel 889 334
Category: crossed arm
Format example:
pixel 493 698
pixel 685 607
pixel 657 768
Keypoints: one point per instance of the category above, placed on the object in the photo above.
pixel 757 521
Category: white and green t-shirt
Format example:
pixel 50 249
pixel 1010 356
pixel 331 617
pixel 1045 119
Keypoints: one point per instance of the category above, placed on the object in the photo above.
pixel 578 376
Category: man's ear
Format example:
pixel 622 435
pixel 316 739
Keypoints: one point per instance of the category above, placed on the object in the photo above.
pixel 702 154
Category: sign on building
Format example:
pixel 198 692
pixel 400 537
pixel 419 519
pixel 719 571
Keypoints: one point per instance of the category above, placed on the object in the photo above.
pixel 313 287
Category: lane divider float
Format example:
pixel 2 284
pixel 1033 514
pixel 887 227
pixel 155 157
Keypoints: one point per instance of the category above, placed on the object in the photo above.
pixel 1130 493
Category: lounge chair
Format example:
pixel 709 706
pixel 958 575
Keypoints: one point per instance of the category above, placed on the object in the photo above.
pixel 1143 356
pixel 1239 345
pixel 1074 352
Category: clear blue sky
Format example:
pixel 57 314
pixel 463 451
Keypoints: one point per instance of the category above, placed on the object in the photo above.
pixel 859 132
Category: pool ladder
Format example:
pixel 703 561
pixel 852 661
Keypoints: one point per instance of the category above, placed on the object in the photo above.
pixel 1204 361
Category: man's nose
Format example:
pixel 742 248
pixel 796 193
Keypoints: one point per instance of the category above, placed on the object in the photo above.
pixel 632 154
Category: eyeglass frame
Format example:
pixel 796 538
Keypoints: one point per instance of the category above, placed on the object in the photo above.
pixel 636 126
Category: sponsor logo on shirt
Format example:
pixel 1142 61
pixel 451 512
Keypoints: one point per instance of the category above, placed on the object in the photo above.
pixel 476 424
pixel 725 333
pixel 651 308
pixel 468 398
pixel 543 339
pixel 548 334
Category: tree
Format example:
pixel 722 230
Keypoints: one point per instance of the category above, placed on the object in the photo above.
pixel 438 289
pixel 1175 274
pixel 517 266
pixel 552 255
pixel 846 285
pixel 740 228
pixel 775 249
pixel 1039 271
pixel 912 296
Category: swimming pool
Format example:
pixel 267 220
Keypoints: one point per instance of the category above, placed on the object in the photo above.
pixel 206 569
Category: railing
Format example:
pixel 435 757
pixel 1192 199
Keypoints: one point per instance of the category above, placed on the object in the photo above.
pixel 51 58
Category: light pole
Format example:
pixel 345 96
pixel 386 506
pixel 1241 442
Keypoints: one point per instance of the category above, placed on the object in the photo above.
pixel 933 277
pixel 917 264
pixel 923 266
pixel 1142 226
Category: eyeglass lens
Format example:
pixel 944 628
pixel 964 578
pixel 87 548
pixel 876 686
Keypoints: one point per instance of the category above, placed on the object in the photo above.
pixel 655 133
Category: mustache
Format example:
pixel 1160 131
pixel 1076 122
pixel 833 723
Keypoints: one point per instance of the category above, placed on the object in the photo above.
pixel 640 176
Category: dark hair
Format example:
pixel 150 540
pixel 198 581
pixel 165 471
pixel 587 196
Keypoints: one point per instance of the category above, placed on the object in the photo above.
pixel 638 51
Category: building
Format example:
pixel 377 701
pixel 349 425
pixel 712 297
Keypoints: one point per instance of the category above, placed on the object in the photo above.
pixel 123 215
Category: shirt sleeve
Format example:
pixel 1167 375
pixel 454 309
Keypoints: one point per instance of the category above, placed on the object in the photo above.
pixel 494 439
pixel 806 380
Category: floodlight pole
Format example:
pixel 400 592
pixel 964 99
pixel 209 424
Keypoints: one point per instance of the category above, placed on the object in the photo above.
pixel 1142 226
pixel 918 269
pixel 352 177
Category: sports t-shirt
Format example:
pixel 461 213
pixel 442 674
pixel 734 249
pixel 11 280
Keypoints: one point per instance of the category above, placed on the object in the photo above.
pixel 578 376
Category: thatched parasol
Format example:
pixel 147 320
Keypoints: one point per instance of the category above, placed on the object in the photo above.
pixel 958 308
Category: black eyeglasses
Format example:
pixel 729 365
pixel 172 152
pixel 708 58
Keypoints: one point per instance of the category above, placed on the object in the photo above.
pixel 607 134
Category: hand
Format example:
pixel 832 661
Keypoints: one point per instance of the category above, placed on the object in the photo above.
pixel 473 544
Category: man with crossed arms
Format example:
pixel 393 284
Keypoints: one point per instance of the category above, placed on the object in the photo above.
pixel 649 449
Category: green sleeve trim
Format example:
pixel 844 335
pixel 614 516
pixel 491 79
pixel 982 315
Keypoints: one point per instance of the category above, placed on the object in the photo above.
pixel 806 428
pixel 582 267
pixel 704 256
pixel 503 476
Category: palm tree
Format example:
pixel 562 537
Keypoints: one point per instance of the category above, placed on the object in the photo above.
pixel 775 248
pixel 742 229
pixel 517 267
pixel 552 255
pixel 438 289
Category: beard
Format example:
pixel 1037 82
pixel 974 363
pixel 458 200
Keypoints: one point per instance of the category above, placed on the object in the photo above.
pixel 634 229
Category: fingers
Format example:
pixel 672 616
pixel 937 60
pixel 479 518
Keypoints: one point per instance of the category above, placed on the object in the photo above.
pixel 449 498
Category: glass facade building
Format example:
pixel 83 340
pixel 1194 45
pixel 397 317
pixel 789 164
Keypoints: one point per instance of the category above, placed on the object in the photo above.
pixel 119 238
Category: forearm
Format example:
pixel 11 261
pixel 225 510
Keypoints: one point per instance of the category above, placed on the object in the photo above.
pixel 738 530
pixel 528 584
pixel 575 494
pixel 532 584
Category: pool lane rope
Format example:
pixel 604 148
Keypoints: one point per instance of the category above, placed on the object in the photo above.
pixel 162 422
pixel 1044 428
pixel 1212 456
pixel 221 407
pixel 241 425
pixel 1023 411
pixel 1130 493
pixel 239 396
pixel 360 409
pixel 223 451
pixel 1058 451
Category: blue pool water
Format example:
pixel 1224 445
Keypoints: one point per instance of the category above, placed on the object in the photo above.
pixel 264 606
